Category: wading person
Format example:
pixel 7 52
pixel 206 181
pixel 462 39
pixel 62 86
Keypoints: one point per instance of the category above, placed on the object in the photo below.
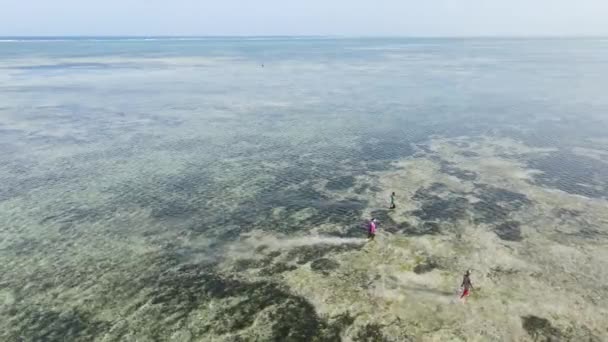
pixel 392 201
pixel 371 230
pixel 467 286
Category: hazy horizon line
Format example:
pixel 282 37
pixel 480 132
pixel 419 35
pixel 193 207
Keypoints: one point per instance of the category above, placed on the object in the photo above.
pixel 303 36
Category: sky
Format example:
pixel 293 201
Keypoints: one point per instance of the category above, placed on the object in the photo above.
pixel 305 17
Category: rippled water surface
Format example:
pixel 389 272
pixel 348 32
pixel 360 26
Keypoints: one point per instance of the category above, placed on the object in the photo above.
pixel 216 188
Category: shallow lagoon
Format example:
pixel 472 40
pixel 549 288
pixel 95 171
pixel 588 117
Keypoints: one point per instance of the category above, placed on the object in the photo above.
pixel 178 189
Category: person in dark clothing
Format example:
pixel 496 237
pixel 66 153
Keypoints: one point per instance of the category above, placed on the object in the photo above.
pixel 466 285
pixel 392 201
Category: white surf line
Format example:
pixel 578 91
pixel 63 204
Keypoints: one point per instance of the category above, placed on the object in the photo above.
pixel 318 240
pixel 249 244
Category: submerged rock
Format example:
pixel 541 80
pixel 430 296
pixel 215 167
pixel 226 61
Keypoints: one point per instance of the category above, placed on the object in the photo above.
pixel 509 231
pixel 341 183
pixel 508 199
pixel 449 169
pixel 572 173
pixel 324 266
pixel 383 216
pixel 439 203
pixel 305 254
pixel 277 268
pixel 193 289
pixel 388 224
pixel 370 333
pixel 426 228
pixel 425 267
pixel 440 209
pixel 44 324
pixel 540 329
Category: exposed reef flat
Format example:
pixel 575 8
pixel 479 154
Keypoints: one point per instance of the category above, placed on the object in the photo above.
pixel 537 253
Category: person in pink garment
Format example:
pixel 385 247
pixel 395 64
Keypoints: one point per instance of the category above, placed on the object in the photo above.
pixel 371 233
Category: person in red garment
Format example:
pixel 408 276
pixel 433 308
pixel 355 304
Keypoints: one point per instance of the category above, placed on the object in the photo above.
pixel 467 286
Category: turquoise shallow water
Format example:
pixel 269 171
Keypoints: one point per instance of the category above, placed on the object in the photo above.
pixel 315 101
pixel 121 154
